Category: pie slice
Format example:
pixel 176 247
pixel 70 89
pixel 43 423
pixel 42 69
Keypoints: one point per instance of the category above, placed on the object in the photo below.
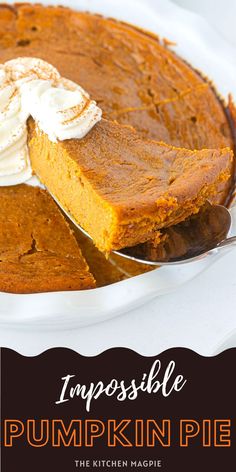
pixel 121 188
pixel 38 250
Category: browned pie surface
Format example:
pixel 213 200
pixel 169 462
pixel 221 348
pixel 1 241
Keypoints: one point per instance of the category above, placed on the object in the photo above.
pixel 122 188
pixel 38 250
pixel 134 78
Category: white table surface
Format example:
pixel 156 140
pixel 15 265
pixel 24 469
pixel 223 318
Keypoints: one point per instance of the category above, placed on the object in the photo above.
pixel 212 295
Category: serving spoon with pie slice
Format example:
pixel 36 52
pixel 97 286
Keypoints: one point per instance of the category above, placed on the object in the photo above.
pixel 188 241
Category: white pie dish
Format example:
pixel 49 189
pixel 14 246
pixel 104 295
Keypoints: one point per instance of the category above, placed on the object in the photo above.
pixel 61 310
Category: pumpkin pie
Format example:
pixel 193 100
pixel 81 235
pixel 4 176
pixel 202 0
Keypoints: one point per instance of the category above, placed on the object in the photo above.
pixel 134 77
pixel 38 250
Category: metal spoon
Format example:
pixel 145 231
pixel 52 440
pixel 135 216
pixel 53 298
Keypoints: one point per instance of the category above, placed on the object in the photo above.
pixel 188 241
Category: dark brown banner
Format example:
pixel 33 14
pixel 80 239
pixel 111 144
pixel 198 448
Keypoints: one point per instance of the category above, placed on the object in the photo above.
pixel 118 411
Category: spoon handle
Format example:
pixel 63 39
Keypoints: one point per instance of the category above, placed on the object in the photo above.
pixel 227 243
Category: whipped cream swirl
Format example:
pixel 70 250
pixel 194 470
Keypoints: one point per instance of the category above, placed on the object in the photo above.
pixel 61 109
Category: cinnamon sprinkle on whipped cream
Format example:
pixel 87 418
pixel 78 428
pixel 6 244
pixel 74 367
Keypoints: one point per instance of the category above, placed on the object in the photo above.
pixel 61 109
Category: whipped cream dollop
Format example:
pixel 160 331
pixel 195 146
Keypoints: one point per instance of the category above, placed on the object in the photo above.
pixel 61 108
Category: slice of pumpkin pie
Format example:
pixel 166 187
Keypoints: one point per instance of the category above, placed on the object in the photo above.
pixel 121 188
pixel 38 250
